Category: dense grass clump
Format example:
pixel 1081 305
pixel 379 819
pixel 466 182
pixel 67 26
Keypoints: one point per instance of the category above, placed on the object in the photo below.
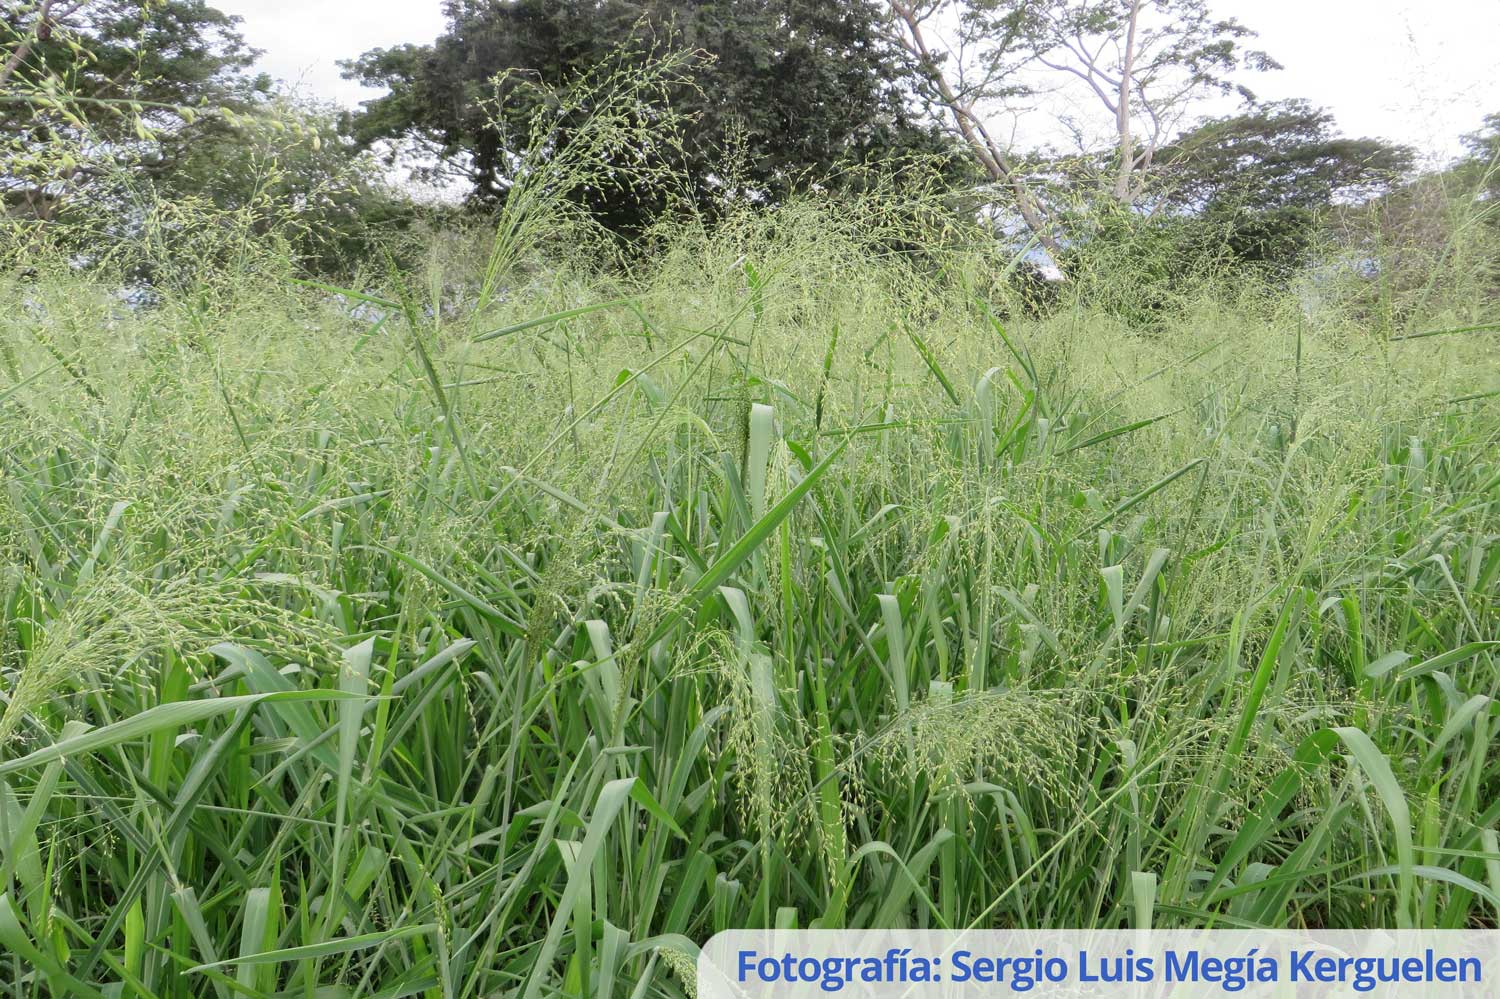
pixel 407 647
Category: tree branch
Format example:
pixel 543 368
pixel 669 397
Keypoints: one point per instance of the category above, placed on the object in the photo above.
pixel 40 32
pixel 986 151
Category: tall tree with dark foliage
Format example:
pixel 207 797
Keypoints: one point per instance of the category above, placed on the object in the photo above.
pixel 785 91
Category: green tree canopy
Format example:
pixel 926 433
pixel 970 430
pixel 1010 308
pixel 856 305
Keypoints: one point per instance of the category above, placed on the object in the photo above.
pixel 169 52
pixel 1259 179
pixel 786 90
pixel 1285 154
pixel 94 86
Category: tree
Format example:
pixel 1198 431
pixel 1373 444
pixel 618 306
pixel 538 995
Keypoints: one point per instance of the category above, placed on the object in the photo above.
pixel 47 17
pixel 785 91
pixel 123 59
pixel 1262 177
pixel 287 168
pixel 1285 154
pixel 132 133
pixel 1145 63
pixel 92 85
pixel 961 89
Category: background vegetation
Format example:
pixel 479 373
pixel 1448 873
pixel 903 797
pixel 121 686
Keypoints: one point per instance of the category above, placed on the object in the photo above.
pixel 407 600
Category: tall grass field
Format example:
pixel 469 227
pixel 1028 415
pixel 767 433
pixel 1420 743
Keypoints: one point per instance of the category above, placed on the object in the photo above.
pixel 507 625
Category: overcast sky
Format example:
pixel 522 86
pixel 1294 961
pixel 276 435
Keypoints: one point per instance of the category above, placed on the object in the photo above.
pixel 1421 73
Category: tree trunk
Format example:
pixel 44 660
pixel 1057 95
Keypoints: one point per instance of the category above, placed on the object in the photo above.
pixel 986 151
pixel 1123 186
